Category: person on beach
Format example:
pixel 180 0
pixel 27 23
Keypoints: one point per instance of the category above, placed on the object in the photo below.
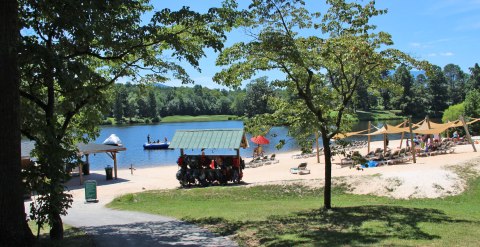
pixel 455 136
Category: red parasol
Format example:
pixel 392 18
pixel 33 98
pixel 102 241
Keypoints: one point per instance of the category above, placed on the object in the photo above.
pixel 259 140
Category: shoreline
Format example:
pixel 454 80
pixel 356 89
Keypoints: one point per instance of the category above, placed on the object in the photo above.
pixel 430 177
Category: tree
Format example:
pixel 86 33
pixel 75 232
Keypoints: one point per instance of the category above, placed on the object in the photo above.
pixel 257 97
pixel 321 73
pixel 455 79
pixel 14 230
pixel 472 107
pixel 453 112
pixel 67 65
pixel 152 104
pixel 238 104
pixel 437 89
pixel 142 108
pixel 471 103
pixel 120 97
pixel 362 99
pixel 474 79
pixel 420 98
pixel 403 78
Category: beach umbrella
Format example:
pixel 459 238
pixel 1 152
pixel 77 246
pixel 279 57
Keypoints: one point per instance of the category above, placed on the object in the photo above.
pixel 260 140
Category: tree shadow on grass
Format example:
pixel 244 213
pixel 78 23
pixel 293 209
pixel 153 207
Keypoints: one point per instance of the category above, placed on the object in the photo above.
pixel 361 225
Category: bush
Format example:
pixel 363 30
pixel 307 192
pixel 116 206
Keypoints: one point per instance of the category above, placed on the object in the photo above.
pixel 453 112
pixel 155 119
pixel 107 121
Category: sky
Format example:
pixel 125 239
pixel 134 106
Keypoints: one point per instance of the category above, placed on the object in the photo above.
pixel 439 31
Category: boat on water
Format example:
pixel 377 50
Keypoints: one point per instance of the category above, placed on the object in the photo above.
pixel 156 145
pixel 113 140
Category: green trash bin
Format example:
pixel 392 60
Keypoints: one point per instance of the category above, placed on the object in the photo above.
pixel 86 168
pixel 108 172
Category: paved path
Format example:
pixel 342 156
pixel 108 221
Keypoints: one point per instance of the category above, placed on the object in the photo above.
pixel 123 228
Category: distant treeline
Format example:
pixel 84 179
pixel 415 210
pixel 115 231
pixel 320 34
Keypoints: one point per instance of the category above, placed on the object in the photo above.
pixel 418 96
pixel 143 101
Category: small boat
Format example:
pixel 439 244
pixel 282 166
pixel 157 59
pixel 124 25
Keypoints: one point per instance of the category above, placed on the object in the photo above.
pixel 158 145
pixel 113 140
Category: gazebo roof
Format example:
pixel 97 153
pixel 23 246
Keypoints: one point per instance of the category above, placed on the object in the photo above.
pixel 83 149
pixel 93 148
pixel 209 138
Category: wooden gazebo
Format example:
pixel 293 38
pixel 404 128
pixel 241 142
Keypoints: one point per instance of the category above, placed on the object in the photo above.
pixel 83 149
pixel 93 148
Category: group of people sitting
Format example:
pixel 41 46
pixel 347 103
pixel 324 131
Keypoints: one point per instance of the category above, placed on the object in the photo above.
pixel 258 152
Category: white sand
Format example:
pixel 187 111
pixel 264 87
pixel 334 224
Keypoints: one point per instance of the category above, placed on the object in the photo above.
pixel 430 177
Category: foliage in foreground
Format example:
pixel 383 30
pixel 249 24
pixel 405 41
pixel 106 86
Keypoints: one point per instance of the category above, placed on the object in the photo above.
pixel 67 67
pixel 289 215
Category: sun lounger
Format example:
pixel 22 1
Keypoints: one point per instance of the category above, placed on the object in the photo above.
pixel 301 169
pixel 272 160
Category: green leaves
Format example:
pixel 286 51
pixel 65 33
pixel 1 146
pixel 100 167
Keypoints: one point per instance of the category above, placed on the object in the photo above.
pixel 71 54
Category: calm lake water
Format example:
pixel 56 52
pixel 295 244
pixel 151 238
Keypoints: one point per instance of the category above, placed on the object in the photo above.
pixel 133 137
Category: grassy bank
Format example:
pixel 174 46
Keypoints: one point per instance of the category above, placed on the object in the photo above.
pixel 361 115
pixel 378 115
pixel 201 118
pixel 277 215
pixel 72 237
pixel 171 119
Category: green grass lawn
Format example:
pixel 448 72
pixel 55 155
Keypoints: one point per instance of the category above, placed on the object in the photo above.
pixel 72 237
pixel 173 119
pixel 289 215
pixel 378 115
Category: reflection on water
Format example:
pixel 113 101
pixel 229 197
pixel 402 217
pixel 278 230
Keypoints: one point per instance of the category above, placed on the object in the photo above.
pixel 134 136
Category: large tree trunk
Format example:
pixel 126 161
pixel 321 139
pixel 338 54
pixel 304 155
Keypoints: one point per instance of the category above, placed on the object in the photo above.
pixel 14 230
pixel 56 232
pixel 327 190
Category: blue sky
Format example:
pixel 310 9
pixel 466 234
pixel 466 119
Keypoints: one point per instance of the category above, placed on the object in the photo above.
pixel 439 31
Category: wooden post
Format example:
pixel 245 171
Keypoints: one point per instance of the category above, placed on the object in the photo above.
pixel 403 133
pixel 369 126
pixel 385 139
pixel 469 138
pixel 318 151
pixel 384 143
pixel 114 155
pixel 131 169
pixel 412 144
pixel 429 127
pixel 80 172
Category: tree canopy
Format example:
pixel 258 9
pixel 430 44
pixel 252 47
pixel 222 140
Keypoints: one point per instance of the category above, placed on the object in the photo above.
pixel 324 59
pixel 68 64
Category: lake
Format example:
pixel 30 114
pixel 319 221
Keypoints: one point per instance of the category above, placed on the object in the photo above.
pixel 134 136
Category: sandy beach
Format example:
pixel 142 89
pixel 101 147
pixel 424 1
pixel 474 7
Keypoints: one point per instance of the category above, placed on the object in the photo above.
pixel 430 177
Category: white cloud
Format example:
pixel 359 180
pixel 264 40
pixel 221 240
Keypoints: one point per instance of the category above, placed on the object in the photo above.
pixel 440 54
pixel 431 43
pixel 446 54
